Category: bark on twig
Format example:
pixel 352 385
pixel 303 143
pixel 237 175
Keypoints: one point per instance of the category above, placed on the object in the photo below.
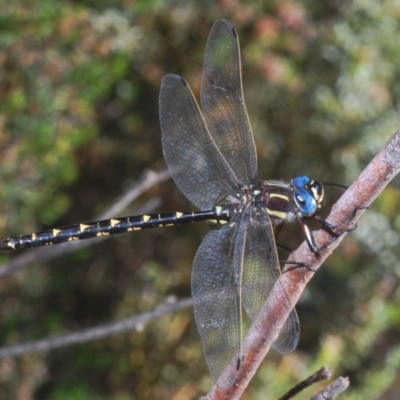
pixel 322 374
pixel 333 390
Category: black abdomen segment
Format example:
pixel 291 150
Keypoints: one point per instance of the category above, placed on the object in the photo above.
pixel 110 227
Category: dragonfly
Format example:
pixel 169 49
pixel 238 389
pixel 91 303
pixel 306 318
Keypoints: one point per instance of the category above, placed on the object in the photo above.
pixel 211 155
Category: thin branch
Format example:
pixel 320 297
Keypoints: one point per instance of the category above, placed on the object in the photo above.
pixel 136 322
pixel 44 254
pixel 322 374
pixel 148 180
pixel 265 328
pixel 333 390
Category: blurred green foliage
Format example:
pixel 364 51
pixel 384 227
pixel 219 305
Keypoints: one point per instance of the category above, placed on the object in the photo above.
pixel 79 86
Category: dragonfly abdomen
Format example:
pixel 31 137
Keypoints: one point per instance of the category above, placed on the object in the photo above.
pixel 111 227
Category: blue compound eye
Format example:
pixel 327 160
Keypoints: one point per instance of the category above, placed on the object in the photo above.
pixel 305 202
pixel 300 181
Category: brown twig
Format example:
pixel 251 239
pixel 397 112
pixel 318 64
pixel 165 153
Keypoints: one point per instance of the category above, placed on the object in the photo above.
pixel 265 328
pixel 87 335
pixel 322 374
pixel 333 390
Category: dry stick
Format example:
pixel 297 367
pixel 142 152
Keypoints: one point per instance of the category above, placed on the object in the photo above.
pixel 333 390
pixel 136 322
pixel 322 374
pixel 266 326
pixel 148 179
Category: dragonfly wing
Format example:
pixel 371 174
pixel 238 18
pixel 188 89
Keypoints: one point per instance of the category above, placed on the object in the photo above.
pixel 217 300
pixel 222 101
pixel 288 337
pixel 262 272
pixel 196 165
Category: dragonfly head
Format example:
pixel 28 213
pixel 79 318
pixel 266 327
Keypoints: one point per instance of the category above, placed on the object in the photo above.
pixel 308 195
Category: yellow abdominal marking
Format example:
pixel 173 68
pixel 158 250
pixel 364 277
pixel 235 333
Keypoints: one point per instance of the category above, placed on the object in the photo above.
pixel 56 232
pixel 114 222
pixel 82 227
pixel 146 218
pixel 178 214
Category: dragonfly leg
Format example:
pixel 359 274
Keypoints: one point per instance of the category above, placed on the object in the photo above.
pixel 277 231
pixel 285 248
pixel 296 265
pixel 309 237
pixel 328 228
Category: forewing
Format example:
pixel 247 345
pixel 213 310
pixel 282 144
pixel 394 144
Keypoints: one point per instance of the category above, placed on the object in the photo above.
pixel 217 300
pixel 262 272
pixel 222 101
pixel 195 163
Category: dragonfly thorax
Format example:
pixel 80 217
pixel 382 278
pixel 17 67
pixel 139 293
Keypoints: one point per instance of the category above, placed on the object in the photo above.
pixel 287 202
